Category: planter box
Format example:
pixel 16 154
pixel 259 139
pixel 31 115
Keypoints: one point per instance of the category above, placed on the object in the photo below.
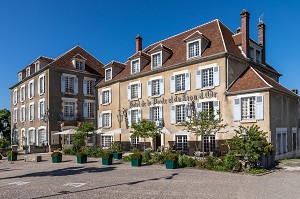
pixel 82 159
pixel 12 158
pixel 171 164
pixel 107 161
pixel 33 158
pixel 136 162
pixel 57 159
pixel 117 156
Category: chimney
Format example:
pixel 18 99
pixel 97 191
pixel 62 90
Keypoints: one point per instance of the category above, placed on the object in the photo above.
pixel 138 43
pixel 262 39
pixel 245 16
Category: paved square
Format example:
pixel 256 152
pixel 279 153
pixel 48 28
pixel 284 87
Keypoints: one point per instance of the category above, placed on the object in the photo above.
pixel 92 180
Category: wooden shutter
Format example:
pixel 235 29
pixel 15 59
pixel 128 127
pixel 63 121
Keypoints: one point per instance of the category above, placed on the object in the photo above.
pixel 100 97
pixel 129 117
pixel 62 84
pixel 84 87
pixel 172 84
pixel 198 79
pixel 140 114
pixel 109 93
pixel 150 113
pixel 259 107
pixel 216 76
pixel 237 109
pixel 161 86
pixel 76 85
pixel 129 92
pixel 85 110
pixel 217 109
pixel 99 120
pixel 28 91
pixel 39 110
pixel 199 108
pixel 139 90
pixel 110 119
pixel 173 114
pixel 37 137
pixel 187 81
pixel 160 112
pixel 149 88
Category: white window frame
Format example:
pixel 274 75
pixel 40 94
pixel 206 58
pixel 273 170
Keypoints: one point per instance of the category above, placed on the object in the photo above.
pixel 106 119
pixel 31 92
pixel 139 66
pixel 42 87
pixel 31 111
pixel 88 82
pixel 209 140
pixel 188 48
pixel 183 148
pixel 69 116
pixel 22 93
pixel 37 66
pixel 183 112
pixel 22 113
pixel 182 82
pixel 15 96
pixel 39 139
pixel 90 108
pixel 106 97
pixel 106 76
pixel 41 109
pixel 20 76
pixel 249 109
pixel 15 115
pixel 283 149
pixel 160 61
pixel 80 66
pixel 136 96
pixel 104 143
pixel 28 72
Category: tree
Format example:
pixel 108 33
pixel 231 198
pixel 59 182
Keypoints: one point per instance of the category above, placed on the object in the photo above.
pixel 251 142
pixel 80 137
pixel 5 117
pixel 145 129
pixel 205 123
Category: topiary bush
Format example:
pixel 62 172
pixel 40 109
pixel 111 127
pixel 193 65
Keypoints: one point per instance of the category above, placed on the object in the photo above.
pixel 186 161
pixel 230 161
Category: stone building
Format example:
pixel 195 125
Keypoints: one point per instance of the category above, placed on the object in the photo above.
pixel 54 95
pixel 214 68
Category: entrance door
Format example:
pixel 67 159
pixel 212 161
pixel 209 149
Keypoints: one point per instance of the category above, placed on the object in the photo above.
pixel 157 142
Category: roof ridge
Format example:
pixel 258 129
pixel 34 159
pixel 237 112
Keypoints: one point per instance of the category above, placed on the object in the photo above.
pixel 221 32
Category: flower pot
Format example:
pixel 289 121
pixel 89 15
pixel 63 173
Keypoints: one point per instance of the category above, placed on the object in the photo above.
pixel 82 159
pixel 117 156
pixel 107 161
pixel 57 159
pixel 136 162
pixel 12 158
pixel 171 164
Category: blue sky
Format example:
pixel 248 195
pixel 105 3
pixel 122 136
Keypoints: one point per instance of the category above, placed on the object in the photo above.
pixel 107 29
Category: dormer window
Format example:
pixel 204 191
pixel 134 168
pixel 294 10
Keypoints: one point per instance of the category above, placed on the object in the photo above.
pixel 135 66
pixel 258 57
pixel 28 72
pixel 37 66
pixel 193 49
pixel 156 60
pixel 20 76
pixel 79 65
pixel 108 74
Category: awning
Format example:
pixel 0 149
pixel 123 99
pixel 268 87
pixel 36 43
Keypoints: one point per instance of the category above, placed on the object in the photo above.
pixel 66 132
pixel 101 131
pixel 118 131
pixel 169 130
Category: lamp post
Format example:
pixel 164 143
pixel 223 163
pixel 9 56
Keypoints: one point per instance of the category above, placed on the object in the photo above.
pixel 46 117
pixel 120 119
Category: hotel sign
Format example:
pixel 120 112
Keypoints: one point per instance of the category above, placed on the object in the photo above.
pixel 174 98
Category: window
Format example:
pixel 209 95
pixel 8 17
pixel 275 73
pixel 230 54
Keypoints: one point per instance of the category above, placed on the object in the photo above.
pixel 15 96
pixel 41 109
pixel 31 136
pixel 258 58
pixel 208 107
pixel 22 94
pixel 31 112
pixel 15 115
pixel 181 142
pixel 194 49
pixel 156 60
pixel 294 138
pixel 37 66
pixel 281 140
pixel 106 119
pixel 134 116
pixel 88 87
pixel 135 141
pixel 79 65
pixel 248 108
pixel 107 140
pixel 69 111
pixel 155 115
pixel 135 66
pixel 89 109
pixel 28 72
pixel 209 143
pixel 41 137
pixel 155 87
pixel 207 77
pixel 180 113
pixel 69 84
pixel 134 91
pixel 180 82
pixel 108 74
pixel 31 89
pixel 105 97
pixel 41 85
pixel 22 114
pixel 20 77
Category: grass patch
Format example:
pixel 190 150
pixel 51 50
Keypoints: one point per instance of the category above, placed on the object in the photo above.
pixel 256 171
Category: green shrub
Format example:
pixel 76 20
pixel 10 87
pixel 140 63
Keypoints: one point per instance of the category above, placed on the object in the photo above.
pixel 116 147
pixel 4 143
pixel 256 171
pixel 68 151
pixel 201 164
pixel 230 161
pixel 107 154
pixel 147 156
pixel 212 161
pixel 93 152
pixel 9 153
pixel 219 168
pixel 158 158
pixel 136 155
pixel 186 161
pixel 171 156
pixel 127 158
pixel 56 154
pixel 80 153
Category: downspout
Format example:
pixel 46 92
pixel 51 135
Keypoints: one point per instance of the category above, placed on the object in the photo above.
pixel 48 93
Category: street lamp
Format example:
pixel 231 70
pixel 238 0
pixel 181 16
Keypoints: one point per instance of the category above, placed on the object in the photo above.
pixel 120 119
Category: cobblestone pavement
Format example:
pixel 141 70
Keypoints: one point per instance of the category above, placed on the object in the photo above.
pixel 92 180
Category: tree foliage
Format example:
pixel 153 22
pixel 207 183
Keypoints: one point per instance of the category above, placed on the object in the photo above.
pixel 5 117
pixel 145 129
pixel 80 137
pixel 251 142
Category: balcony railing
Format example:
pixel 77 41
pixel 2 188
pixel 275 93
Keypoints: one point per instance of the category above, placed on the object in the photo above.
pixel 70 118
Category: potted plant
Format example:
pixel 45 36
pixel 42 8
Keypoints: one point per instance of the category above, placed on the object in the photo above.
pixel 107 157
pixel 56 157
pixel 171 160
pixel 117 151
pixel 12 155
pixel 81 157
pixel 136 159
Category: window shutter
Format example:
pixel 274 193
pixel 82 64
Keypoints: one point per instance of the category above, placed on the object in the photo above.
pixel 161 86
pixel 150 113
pixel 172 84
pixel 259 108
pixel 43 84
pixel 149 88
pixel 237 109
pixel 100 97
pixel 28 138
pixel 216 76
pixel 21 112
pixel 37 137
pixel 140 90
pixel 85 110
pixel 129 117
pixel 84 87
pixel 45 136
pixel 33 89
pixel 99 120
pixel 187 119
pixel 76 85
pixel 29 110
pixel 32 111
pixel 109 93
pixel 187 81
pixel 110 118
pixel 160 112
pixel 24 113
pixel 198 108
pixel 62 84
pixel 129 92
pixel 28 91
pixel 173 114
pixel 21 93
pixel 217 109
pixel 198 79
pixel 140 114
pixel 39 110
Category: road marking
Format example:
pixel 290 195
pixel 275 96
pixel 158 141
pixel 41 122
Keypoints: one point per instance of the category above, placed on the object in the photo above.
pixel 18 183
pixel 76 185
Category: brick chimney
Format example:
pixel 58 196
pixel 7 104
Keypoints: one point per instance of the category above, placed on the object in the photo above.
pixel 138 43
pixel 262 39
pixel 245 16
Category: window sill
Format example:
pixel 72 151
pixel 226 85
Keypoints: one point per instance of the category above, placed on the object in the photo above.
pixel 87 95
pixel 192 58
pixel 155 96
pixel 106 127
pixel 179 124
pixel 180 92
pixel 41 94
pixel 207 88
pixel 105 104
pixel 249 121
pixel 135 99
pixel 67 93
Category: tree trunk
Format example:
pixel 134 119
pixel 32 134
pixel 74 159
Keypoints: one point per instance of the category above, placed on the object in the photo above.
pixel 202 141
